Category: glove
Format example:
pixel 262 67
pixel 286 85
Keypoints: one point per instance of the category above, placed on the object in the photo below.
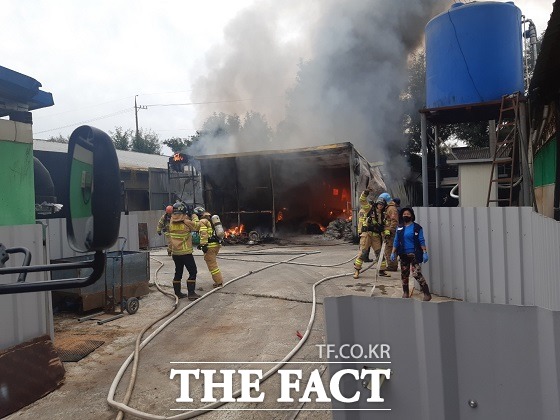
pixel 425 257
pixel 366 193
pixel 393 257
pixel 386 232
pixel 204 248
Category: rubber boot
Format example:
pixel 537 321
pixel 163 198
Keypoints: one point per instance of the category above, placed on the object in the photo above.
pixel 383 273
pixel 406 291
pixel 367 258
pixel 190 288
pixel 177 289
pixel 426 290
pixel 356 273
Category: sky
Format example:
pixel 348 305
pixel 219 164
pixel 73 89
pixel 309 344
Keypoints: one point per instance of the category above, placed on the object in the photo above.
pixel 298 63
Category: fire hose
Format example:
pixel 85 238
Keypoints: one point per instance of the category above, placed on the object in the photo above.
pixel 124 408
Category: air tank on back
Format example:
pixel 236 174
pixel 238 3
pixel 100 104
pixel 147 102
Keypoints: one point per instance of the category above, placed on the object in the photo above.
pixel 473 54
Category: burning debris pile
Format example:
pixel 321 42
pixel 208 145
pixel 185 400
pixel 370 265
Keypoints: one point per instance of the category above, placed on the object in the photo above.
pixel 238 235
pixel 340 229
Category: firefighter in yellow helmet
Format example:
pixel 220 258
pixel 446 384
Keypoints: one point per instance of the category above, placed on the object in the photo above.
pixel 209 244
pixel 163 226
pixel 372 222
pixel 180 238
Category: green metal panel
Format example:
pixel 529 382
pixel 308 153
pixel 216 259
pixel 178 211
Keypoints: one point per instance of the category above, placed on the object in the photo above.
pixel 17 193
pixel 545 165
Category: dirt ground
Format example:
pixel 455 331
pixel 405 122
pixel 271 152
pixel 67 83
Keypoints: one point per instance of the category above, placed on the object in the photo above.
pixel 247 324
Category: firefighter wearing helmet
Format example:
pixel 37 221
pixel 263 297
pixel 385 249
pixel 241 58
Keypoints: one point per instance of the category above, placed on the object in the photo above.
pixel 210 242
pixel 163 226
pixel 181 228
pixel 372 223
pixel 391 223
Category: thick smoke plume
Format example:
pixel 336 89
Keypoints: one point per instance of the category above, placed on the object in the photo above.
pixel 320 72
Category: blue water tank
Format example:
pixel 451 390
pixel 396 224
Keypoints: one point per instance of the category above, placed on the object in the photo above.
pixel 473 54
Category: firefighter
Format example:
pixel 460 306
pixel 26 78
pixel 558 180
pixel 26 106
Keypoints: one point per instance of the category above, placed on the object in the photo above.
pixel 210 244
pixel 180 238
pixel 163 226
pixel 365 207
pixel 391 223
pixel 372 230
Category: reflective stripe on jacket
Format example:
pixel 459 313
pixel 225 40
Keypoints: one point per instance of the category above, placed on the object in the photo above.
pixel 206 232
pixel 180 238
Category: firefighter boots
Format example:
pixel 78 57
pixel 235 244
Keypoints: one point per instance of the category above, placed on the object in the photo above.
pixel 356 273
pixel 190 288
pixel 177 289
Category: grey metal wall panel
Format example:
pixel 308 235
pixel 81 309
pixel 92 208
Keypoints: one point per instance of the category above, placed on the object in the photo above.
pixel 59 247
pixel 504 357
pixel 151 218
pixel 493 255
pixel 29 315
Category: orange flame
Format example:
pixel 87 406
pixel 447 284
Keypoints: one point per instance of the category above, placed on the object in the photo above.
pixel 279 216
pixel 235 231
pixel 177 157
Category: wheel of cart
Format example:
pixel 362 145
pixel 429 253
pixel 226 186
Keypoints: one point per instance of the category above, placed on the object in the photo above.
pixel 131 305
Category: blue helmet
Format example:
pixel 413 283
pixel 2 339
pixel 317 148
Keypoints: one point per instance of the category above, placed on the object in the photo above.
pixel 385 196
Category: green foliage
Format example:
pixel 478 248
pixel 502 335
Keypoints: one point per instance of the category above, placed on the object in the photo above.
pixel 146 141
pixel 58 139
pixel 177 144
pixel 121 138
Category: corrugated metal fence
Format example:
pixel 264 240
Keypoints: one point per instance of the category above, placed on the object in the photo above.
pixel 508 255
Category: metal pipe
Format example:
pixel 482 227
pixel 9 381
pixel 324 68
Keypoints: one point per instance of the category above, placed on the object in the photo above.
pixel 437 166
pixel 527 185
pixel 273 203
pixel 424 138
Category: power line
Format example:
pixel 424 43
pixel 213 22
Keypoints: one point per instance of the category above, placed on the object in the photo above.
pixel 89 106
pixel 122 111
pixel 203 103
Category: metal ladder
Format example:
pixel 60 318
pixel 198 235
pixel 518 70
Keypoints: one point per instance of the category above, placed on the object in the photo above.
pixel 504 161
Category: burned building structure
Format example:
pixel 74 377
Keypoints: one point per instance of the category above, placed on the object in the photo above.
pixel 282 192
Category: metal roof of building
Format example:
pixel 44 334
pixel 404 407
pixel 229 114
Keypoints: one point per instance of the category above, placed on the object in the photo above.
pixel 127 159
pixel 326 155
pixel 466 154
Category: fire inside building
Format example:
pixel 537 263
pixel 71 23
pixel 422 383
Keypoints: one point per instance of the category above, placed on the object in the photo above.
pixel 283 192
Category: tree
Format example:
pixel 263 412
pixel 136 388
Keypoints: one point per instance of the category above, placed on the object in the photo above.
pixel 58 139
pixel 177 144
pixel 146 141
pixel 121 138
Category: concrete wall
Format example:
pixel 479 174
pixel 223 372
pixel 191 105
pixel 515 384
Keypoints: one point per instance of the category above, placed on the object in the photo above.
pixel 507 255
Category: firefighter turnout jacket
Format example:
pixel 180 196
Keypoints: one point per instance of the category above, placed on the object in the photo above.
pixel 180 233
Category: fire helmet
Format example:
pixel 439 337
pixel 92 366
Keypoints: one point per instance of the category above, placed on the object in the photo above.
pixel 169 209
pixel 179 208
pixel 385 196
pixel 199 211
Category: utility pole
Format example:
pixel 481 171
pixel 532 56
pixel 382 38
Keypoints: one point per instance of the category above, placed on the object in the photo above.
pixel 136 108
